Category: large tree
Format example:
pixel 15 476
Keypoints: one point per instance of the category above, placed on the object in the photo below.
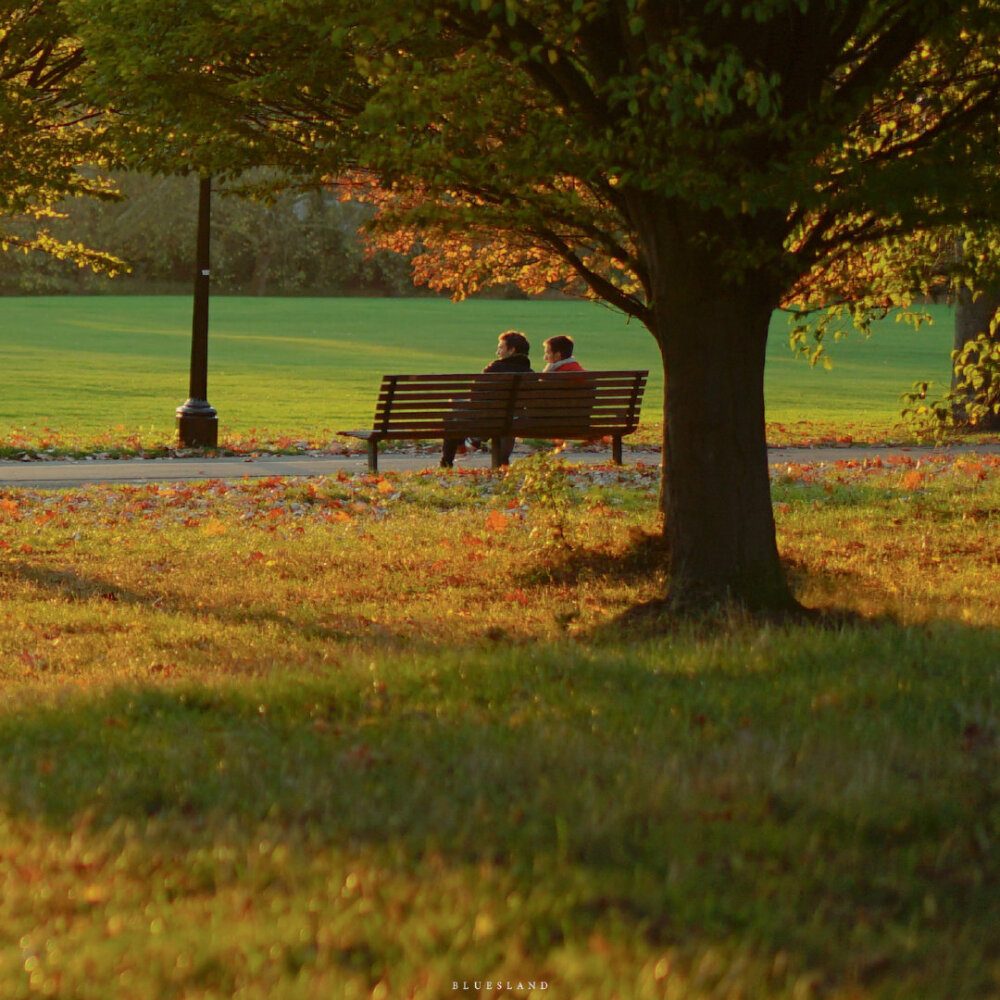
pixel 690 162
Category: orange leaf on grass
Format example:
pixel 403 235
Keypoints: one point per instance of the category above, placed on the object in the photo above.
pixel 496 521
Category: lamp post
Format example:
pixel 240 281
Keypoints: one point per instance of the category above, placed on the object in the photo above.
pixel 197 421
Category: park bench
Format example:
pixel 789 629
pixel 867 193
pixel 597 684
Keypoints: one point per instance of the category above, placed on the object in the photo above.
pixel 575 406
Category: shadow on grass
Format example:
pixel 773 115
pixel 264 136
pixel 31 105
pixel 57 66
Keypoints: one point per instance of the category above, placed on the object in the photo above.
pixel 72 586
pixel 831 796
pixel 644 556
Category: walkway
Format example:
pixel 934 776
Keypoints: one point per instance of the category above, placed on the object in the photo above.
pixel 67 474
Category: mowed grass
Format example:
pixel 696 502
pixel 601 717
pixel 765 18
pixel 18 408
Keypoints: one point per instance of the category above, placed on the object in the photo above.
pixel 111 371
pixel 375 736
pixel 301 367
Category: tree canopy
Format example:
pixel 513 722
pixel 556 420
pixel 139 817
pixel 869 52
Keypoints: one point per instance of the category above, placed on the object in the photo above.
pixel 694 164
pixel 48 130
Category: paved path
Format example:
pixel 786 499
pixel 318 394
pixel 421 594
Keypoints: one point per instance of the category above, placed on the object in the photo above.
pixel 62 474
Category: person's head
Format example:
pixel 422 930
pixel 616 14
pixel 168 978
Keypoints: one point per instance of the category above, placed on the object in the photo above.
pixel 512 342
pixel 558 348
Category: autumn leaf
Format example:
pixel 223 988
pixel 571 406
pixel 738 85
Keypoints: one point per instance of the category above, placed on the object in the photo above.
pixel 496 521
pixel 214 527
pixel 517 596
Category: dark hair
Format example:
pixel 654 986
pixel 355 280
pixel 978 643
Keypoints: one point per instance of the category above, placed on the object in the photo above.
pixel 517 341
pixel 563 346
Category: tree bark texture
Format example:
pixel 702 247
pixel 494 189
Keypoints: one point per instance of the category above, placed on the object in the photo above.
pixel 712 331
pixel 973 313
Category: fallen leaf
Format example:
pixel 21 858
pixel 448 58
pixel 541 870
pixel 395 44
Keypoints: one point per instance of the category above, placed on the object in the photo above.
pixel 496 521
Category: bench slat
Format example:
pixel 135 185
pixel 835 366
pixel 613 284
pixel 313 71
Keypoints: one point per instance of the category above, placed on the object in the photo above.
pixel 582 404
pixel 446 402
pixel 452 377
pixel 449 427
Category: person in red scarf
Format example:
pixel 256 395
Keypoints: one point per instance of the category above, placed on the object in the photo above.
pixel 559 355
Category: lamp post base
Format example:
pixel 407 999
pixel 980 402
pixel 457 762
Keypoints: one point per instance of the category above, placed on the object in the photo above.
pixel 197 425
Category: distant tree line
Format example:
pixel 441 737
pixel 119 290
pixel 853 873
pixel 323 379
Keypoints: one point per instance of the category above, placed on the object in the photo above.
pixel 298 243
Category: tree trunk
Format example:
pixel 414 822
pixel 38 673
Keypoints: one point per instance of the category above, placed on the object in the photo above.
pixel 973 313
pixel 261 270
pixel 712 331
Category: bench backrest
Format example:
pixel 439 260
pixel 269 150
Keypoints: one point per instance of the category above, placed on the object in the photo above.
pixel 550 404
pixel 575 404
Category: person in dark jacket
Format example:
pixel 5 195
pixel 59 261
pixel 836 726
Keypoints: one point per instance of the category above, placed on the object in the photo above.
pixel 512 356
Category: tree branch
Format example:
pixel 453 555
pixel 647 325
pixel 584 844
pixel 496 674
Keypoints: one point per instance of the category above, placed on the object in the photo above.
pixel 601 286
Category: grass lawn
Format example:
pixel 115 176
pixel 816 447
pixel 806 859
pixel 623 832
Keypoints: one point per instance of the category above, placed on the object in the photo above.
pixel 101 373
pixel 231 767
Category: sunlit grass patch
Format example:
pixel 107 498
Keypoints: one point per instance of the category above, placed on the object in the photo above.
pixel 460 557
pixel 914 539
pixel 104 374
pixel 205 571
pixel 32 443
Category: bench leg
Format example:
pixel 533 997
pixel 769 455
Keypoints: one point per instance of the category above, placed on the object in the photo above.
pixel 373 456
pixel 616 449
pixel 496 452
